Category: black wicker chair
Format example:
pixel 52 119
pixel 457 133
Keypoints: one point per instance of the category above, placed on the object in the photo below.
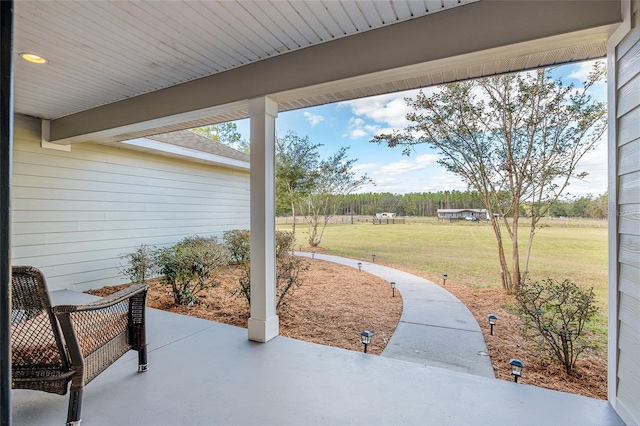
pixel 52 346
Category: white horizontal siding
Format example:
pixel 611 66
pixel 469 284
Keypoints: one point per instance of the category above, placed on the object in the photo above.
pixel 628 126
pixel 628 281
pixel 628 96
pixel 75 213
pixel 629 220
pixel 624 380
pixel 630 364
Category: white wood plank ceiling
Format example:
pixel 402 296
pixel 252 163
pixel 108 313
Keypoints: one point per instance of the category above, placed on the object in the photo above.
pixel 100 52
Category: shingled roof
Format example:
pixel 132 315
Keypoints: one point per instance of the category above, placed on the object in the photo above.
pixel 188 139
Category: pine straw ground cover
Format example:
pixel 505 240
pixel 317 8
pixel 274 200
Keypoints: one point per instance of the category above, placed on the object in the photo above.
pixel 589 378
pixel 335 303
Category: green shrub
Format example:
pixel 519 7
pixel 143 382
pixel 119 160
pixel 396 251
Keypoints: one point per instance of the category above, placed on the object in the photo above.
pixel 288 270
pixel 554 315
pixel 284 242
pixel 139 265
pixel 190 266
pixel 238 243
pixel 288 267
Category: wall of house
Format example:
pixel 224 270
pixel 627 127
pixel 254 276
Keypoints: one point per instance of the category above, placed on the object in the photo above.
pixel 624 213
pixel 74 213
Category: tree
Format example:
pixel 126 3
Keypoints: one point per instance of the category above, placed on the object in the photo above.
pixel 225 133
pixel 391 203
pixel 598 208
pixel 296 161
pixel 333 179
pixel 513 138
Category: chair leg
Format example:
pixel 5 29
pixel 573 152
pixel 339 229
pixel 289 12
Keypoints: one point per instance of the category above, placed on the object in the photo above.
pixel 75 405
pixel 142 360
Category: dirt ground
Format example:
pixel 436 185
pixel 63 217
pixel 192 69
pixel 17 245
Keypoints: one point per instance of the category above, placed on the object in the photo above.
pixel 336 303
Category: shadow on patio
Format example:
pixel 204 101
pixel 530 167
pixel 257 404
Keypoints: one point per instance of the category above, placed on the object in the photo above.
pixel 203 372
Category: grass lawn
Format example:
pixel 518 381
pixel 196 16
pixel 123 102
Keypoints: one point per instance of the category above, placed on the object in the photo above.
pixel 467 252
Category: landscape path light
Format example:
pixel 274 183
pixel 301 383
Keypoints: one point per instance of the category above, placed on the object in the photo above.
pixel 373 258
pixel 516 369
pixel 313 254
pixel 393 288
pixel 365 338
pixel 492 321
pixel 359 266
pixel 444 279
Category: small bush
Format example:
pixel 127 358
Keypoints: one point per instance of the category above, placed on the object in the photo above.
pixel 554 315
pixel 139 265
pixel 238 243
pixel 284 242
pixel 288 267
pixel 190 266
pixel 288 270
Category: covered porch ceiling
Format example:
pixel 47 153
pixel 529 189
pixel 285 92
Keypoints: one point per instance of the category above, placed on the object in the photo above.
pixel 121 70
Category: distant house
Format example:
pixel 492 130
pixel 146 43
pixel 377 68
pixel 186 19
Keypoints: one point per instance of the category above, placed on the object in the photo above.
pixel 385 215
pixel 463 214
pixel 75 211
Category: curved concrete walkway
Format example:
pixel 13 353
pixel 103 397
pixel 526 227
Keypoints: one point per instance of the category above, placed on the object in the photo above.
pixel 435 329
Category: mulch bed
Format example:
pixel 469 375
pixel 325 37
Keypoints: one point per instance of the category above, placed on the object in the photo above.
pixel 590 375
pixel 332 307
pixel 336 303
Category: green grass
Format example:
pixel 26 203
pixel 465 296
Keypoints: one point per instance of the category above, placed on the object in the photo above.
pixel 467 252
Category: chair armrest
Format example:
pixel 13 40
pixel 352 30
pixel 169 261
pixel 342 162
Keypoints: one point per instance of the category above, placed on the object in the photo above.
pixel 89 327
pixel 104 302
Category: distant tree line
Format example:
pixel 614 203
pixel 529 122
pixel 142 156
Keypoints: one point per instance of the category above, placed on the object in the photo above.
pixel 413 204
pixel 589 207
pixel 428 203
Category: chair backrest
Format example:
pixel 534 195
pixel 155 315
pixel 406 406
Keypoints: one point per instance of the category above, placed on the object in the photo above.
pixel 36 340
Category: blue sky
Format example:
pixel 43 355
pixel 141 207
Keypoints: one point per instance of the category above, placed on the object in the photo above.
pixel 354 123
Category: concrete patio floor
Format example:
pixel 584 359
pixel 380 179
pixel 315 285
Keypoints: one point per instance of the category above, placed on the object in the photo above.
pixel 207 373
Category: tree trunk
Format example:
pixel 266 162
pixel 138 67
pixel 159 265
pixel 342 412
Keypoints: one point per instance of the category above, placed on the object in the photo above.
pixel 532 232
pixel 504 267
pixel 515 255
pixel 313 232
pixel 293 226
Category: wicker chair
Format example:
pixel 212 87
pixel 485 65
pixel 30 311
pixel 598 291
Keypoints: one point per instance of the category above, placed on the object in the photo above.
pixel 52 346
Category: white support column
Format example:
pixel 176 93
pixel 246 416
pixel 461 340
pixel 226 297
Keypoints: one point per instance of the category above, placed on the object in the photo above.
pixel 263 324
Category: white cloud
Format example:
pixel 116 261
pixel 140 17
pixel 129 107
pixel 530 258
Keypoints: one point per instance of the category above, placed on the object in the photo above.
pixel 379 114
pixel 404 166
pixel 389 110
pixel 357 133
pixel 582 70
pixel 382 185
pixel 359 129
pixel 596 164
pixel 358 168
pixel 314 119
pixel 431 179
pixel 419 174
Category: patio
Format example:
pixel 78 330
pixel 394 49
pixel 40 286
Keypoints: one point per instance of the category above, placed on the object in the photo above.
pixel 105 81
pixel 203 372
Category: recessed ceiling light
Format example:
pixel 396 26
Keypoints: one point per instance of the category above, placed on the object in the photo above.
pixel 33 58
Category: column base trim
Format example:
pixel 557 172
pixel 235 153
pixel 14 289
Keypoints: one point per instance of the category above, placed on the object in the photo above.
pixel 263 330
